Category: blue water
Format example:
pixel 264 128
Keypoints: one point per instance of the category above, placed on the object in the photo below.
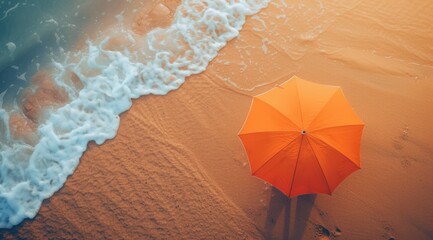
pixel 27 25
pixel 42 31
pixel 155 63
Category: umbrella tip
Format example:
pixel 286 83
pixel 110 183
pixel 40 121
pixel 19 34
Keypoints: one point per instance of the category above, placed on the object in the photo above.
pixel 303 132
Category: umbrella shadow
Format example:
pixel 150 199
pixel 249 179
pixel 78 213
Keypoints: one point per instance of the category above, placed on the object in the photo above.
pixel 296 212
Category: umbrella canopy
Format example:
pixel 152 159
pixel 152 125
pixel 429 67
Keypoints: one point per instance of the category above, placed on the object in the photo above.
pixel 302 137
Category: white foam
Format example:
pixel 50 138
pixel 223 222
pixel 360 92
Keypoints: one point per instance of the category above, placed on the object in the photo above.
pixel 52 21
pixel 11 47
pixel 22 76
pixel 28 175
pixel 8 11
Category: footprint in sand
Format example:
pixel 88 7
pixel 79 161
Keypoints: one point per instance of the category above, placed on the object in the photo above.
pixel 337 232
pixel 400 140
pixel 388 232
pixel 407 161
pixel 322 233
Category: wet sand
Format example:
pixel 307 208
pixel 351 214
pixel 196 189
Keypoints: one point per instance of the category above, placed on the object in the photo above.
pixel 177 170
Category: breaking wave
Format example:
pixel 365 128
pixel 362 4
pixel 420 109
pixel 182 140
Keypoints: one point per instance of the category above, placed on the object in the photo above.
pixel 29 174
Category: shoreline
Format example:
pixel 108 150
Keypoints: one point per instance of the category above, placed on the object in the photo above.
pixel 177 168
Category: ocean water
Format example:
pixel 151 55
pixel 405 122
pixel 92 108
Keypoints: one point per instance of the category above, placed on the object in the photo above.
pixel 30 173
pixel 35 32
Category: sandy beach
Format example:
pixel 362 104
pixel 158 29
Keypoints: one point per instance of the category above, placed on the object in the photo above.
pixel 177 169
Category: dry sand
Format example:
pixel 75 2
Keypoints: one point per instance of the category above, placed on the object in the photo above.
pixel 177 170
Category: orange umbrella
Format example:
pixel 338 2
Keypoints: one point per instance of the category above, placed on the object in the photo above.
pixel 302 137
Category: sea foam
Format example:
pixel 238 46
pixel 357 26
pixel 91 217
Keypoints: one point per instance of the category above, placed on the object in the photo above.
pixel 30 174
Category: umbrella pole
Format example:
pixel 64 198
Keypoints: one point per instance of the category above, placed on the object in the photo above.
pixel 290 218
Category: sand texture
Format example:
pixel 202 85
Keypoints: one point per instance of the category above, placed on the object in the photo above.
pixel 177 170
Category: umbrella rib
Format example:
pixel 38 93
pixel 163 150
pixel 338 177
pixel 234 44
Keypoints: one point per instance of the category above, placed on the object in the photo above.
pixel 336 150
pixel 275 155
pixel 248 133
pixel 300 107
pixel 296 165
pixel 324 106
pixel 317 159
pixel 278 111
pixel 348 125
